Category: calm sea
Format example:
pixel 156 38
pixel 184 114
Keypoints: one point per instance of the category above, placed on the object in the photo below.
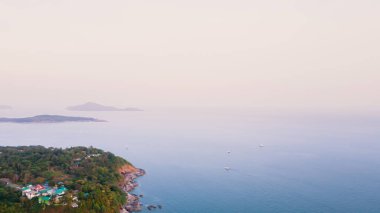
pixel 309 162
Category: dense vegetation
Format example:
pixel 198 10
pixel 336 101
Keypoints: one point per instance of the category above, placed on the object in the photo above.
pixel 90 174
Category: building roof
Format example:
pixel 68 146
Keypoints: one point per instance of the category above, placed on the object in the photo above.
pixel 38 186
pixel 25 188
pixel 60 190
pixel 44 198
pixel 44 191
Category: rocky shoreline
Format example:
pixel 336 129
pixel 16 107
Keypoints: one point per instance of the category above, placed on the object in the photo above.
pixel 129 183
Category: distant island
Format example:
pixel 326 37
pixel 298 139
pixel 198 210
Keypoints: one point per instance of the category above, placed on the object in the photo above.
pixel 5 107
pixel 48 119
pixel 73 180
pixel 90 106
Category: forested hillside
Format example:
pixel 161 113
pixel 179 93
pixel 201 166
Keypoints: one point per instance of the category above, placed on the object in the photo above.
pixel 90 175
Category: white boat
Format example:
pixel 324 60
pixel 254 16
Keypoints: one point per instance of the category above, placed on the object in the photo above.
pixel 227 168
pixel 261 145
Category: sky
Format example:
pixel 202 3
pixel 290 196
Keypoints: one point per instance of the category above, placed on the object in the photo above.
pixel 202 53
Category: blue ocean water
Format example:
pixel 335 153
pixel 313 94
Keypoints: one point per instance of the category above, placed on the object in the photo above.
pixel 310 162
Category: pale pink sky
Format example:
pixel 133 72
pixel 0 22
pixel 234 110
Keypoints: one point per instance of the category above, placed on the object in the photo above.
pixel 190 53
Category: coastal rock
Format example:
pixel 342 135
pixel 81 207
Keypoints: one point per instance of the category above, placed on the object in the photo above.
pixel 153 207
pixel 130 173
pixel 128 168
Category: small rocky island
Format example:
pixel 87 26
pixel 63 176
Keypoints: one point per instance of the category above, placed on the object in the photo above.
pixel 90 106
pixel 76 179
pixel 49 119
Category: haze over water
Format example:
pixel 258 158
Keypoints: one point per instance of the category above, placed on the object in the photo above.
pixel 310 162
pixel 230 71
